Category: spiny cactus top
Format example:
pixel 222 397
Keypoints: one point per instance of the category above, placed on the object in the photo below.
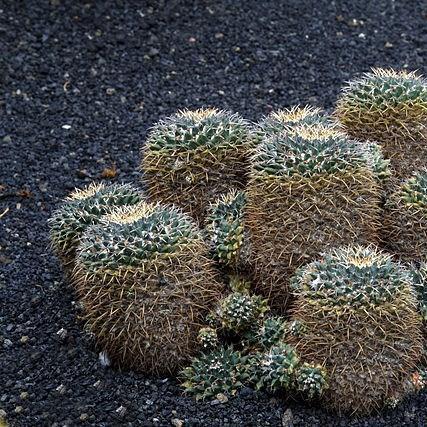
pixel 277 121
pixel 352 277
pixel 383 98
pixel 414 191
pixel 85 207
pixel 307 151
pixel 132 235
pixel 206 128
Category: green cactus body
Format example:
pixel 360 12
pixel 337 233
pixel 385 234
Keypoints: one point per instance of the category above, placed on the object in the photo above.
pixel 224 229
pixel 405 219
pixel 83 208
pixel 220 371
pixel 389 107
pixel 193 157
pixel 263 336
pixel 362 326
pixel 311 380
pixel 146 284
pixel 273 369
pixel 208 338
pixel 240 311
pixel 287 118
pixel 309 189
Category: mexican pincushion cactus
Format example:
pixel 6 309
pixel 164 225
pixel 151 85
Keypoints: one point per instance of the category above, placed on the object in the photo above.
pixel 285 119
pixel 311 380
pixel 309 189
pixel 362 325
pixel 85 207
pixel 224 229
pixel 389 107
pixel 193 157
pixel 146 284
pixel 405 221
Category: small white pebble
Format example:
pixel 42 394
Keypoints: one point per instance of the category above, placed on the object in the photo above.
pixel 121 410
pixel 104 360
pixel 66 127
pixel 60 389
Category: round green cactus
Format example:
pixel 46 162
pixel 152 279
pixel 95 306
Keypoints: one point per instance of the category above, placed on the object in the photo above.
pixel 193 157
pixel 309 189
pixel 220 371
pixel 83 208
pixel 391 107
pixel 405 220
pixel 362 322
pixel 224 228
pixel 270 332
pixel 311 380
pixel 132 277
pixel 273 369
pixel 208 338
pixel 420 283
pixel 240 311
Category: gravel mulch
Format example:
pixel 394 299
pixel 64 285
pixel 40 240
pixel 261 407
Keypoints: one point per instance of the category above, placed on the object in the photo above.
pixel 80 83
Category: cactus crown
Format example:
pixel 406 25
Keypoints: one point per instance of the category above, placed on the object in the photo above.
pixel 208 128
pixel 414 191
pixel 307 151
pixel 220 371
pixel 399 95
pixel 354 276
pixel 311 380
pixel 135 234
pixel 85 207
pixel 280 120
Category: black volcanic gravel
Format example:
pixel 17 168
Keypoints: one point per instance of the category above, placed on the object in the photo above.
pixel 80 83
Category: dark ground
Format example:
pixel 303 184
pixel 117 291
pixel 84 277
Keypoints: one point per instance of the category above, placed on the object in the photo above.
pixel 109 70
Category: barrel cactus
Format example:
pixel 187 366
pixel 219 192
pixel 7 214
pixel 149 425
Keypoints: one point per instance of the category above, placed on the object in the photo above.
pixel 85 207
pixel 311 380
pixel 224 229
pixel 362 326
pixel 192 157
pixel 389 107
pixel 405 221
pixel 309 189
pixel 146 284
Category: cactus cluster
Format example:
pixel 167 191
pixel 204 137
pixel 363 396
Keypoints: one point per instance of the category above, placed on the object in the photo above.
pixel 389 107
pixel 406 219
pixel 193 157
pixel 289 210
pixel 360 310
pixel 309 189
pixel 132 278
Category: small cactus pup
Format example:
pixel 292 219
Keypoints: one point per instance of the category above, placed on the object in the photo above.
pixel 221 371
pixel 193 157
pixel 311 380
pixel 265 334
pixel 83 208
pixel 224 230
pixel 405 219
pixel 310 188
pixel 361 322
pixel 146 283
pixel 389 107
pixel 287 118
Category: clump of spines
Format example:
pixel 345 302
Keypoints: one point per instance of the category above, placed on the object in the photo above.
pixel 264 335
pixel 389 107
pixel 287 118
pixel 240 311
pixel 224 228
pixel 83 208
pixel 193 157
pixel 311 380
pixel 405 220
pixel 132 277
pixel 208 338
pixel 362 325
pixel 309 189
pixel 220 371
pixel 274 368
